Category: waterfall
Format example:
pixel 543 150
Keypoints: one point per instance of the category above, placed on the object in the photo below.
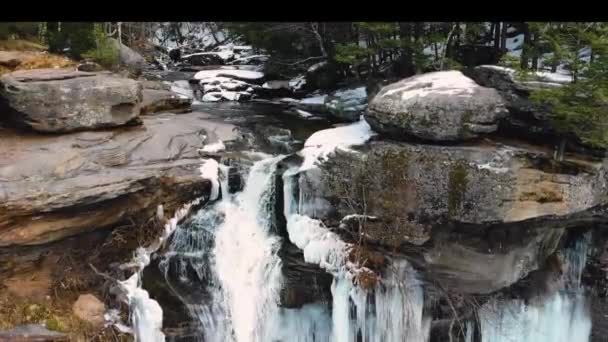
pixel 390 313
pixel 229 255
pixel 562 317
pixel 245 256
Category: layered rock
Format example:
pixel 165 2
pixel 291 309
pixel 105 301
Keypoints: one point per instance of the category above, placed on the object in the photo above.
pixel 509 203
pixel 58 186
pixel 158 100
pixel 439 106
pixel 63 100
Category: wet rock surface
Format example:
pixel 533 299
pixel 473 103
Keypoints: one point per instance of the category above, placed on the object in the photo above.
pixel 110 174
pixel 32 333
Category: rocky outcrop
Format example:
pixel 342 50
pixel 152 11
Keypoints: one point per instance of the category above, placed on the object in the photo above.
pixel 413 187
pixel 438 106
pixel 63 100
pixel 57 186
pixel 156 101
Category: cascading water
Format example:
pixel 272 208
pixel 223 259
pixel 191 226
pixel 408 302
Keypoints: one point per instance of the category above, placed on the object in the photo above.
pixel 231 251
pixel 562 317
pixel 392 312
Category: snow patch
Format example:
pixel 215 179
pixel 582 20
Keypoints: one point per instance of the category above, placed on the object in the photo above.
pixel 303 114
pixel 441 82
pixel 316 100
pixel 322 143
pixel 244 74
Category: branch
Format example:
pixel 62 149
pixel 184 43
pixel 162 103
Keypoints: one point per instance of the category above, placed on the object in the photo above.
pixel 303 61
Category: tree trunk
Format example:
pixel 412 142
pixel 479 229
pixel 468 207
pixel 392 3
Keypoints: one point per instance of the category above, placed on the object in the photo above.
pixel 560 150
pixel 525 52
pixel 119 25
pixel 405 33
pixel 497 36
pixel 503 36
pixel 533 40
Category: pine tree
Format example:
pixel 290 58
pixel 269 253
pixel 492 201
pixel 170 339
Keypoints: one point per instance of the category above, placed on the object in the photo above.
pixel 581 107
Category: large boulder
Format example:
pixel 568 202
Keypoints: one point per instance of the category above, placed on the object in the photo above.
pixel 414 188
pixel 438 106
pixel 53 187
pixel 129 58
pixel 64 100
pixel 477 218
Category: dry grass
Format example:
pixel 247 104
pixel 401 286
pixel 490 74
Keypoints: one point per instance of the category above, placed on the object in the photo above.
pixel 46 61
pixel 21 45
pixel 57 315
pixel 39 60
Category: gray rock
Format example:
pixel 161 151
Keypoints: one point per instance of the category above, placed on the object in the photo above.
pixel 438 106
pixel 156 101
pixel 32 333
pixel 129 58
pixel 63 100
pixel 414 188
pixel 46 181
pixel 156 85
pixel 347 104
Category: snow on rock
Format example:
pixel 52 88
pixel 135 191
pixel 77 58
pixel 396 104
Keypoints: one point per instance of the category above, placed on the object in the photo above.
pixel 208 88
pixel 224 55
pixel 315 100
pixel 452 83
pixel 322 143
pixel 438 106
pixel 212 97
pixel 559 77
pixel 297 83
pixel 182 88
pixel 303 113
pixel 254 59
pixel 241 74
pixel 289 100
pixel 554 77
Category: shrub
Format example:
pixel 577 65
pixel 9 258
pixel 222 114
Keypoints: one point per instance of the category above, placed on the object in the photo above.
pixel 106 52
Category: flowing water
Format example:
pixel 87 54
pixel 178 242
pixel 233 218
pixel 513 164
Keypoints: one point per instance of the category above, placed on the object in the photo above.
pixel 562 317
pixel 225 267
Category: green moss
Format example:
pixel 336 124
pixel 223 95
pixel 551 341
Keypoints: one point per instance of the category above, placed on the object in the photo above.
pixel 54 324
pixel 457 187
pixel 464 120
